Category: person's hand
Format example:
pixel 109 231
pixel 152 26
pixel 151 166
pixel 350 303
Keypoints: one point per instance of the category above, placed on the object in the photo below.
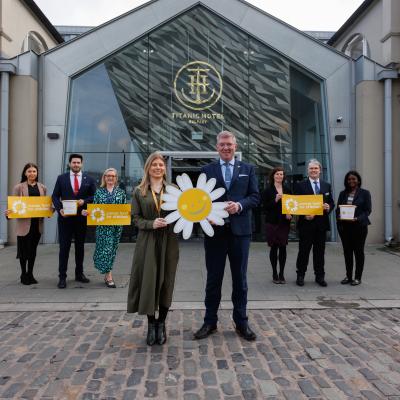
pixel 62 213
pixel 309 217
pixel 289 217
pixel 232 207
pixel 211 222
pixel 326 207
pixel 159 223
pixel 7 213
pixel 81 202
pixel 278 197
pixel 85 213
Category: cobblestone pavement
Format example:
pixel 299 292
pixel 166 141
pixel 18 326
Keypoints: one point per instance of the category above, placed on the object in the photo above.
pixel 319 354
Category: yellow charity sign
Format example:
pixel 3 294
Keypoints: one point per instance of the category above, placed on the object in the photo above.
pixel 310 204
pixel 194 205
pixel 109 214
pixel 30 206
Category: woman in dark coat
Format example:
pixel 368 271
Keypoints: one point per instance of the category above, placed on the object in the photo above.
pixel 28 230
pixel 156 253
pixel 277 224
pixel 353 233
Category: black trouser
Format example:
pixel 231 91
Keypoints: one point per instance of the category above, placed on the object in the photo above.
pixel 311 236
pixel 353 237
pixel 68 228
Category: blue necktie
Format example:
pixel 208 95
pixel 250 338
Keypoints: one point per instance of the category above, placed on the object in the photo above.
pixel 228 175
pixel 316 187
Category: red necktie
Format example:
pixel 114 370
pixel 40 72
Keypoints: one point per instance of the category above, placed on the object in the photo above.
pixel 76 184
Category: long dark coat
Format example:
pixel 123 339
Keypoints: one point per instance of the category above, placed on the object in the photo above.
pixel 155 259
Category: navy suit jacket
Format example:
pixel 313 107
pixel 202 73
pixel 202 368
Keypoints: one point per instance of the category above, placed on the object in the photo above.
pixel 322 221
pixel 243 189
pixel 63 191
pixel 362 199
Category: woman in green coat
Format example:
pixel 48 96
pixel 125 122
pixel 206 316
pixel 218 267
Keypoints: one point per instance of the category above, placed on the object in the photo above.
pixel 156 253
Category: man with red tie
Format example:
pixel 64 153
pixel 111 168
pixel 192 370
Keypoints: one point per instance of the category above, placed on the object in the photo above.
pixel 73 185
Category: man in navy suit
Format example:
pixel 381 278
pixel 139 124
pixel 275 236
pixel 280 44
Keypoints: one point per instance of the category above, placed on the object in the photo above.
pixel 73 185
pixel 312 229
pixel 232 239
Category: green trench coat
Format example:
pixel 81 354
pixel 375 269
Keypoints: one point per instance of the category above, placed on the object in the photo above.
pixel 155 259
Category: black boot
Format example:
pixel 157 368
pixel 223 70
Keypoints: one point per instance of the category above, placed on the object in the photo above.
pixel 25 279
pixel 31 279
pixel 151 330
pixel 161 333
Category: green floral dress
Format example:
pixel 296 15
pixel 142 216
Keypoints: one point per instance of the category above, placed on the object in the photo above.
pixel 107 236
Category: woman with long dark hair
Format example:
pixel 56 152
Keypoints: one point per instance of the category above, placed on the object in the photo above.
pixel 156 252
pixel 28 230
pixel 353 232
pixel 277 224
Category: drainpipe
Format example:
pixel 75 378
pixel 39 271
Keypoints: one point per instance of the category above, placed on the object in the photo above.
pixel 387 77
pixel 6 69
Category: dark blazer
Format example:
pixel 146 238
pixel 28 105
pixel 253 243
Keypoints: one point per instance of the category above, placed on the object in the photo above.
pixel 273 209
pixel 362 199
pixel 243 189
pixel 322 221
pixel 63 191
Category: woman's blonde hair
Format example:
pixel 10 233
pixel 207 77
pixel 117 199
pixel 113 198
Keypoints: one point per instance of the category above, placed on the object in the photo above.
pixel 144 184
pixel 103 178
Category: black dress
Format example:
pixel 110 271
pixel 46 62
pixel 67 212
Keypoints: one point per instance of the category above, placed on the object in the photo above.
pixel 27 245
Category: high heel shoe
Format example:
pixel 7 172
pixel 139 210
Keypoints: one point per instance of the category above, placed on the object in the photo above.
pixel 151 334
pixel 161 333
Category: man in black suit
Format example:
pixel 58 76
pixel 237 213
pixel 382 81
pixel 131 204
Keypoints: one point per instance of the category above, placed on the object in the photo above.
pixel 232 239
pixel 312 229
pixel 73 185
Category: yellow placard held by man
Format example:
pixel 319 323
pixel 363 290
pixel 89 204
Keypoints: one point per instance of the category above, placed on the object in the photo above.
pixel 109 214
pixel 30 206
pixel 309 204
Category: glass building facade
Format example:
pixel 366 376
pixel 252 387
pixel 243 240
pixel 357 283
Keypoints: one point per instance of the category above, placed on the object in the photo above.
pixel 176 87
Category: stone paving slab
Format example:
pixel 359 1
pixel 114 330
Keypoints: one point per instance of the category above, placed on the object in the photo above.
pixel 299 354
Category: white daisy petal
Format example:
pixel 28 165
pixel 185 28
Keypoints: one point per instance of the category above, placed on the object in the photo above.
pixel 187 229
pixel 187 181
pixel 217 193
pixel 179 225
pixel 210 185
pixel 220 213
pixel 172 217
pixel 168 197
pixel 173 190
pixel 201 181
pixel 219 205
pixel 169 205
pixel 181 183
pixel 216 219
pixel 207 228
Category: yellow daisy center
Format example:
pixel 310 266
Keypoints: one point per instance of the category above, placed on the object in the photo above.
pixel 194 205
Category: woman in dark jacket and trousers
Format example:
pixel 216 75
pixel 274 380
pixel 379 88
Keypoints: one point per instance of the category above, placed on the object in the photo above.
pixel 353 233
pixel 277 224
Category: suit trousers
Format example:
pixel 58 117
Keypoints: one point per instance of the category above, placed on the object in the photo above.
pixel 217 248
pixel 69 228
pixel 311 236
pixel 353 237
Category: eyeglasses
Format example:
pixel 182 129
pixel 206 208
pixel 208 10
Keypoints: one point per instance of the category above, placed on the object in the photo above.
pixel 110 176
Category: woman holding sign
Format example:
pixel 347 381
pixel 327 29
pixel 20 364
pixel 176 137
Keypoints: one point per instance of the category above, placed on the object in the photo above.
pixel 28 230
pixel 156 252
pixel 107 236
pixel 354 208
pixel 277 224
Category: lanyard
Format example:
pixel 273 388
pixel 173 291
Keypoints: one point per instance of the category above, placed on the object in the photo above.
pixel 158 204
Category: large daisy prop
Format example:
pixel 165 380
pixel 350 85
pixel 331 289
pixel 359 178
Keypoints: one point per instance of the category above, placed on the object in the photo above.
pixel 190 205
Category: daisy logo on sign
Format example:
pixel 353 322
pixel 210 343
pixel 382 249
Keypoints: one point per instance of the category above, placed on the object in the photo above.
pixel 194 204
pixel 19 207
pixel 291 205
pixel 97 215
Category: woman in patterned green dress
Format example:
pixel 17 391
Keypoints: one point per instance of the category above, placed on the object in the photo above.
pixel 108 236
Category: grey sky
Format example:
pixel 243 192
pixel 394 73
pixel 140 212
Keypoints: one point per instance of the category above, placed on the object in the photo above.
pixel 325 15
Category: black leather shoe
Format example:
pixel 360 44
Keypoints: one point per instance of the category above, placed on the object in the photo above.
pixel 25 280
pixel 205 331
pixel 300 281
pixel 246 333
pixel 345 281
pixel 161 333
pixel 151 334
pixel 356 282
pixel 82 278
pixel 32 279
pixel 321 282
pixel 62 283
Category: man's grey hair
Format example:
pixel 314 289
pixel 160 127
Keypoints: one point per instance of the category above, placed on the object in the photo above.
pixel 314 161
pixel 225 134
